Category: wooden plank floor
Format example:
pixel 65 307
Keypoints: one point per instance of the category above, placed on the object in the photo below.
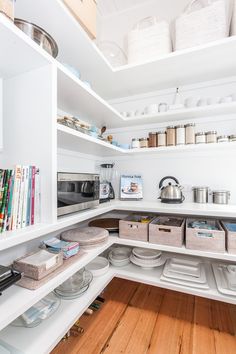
pixel 142 319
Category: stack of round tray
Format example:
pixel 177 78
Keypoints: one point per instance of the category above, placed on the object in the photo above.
pixel 147 258
pixel 88 237
pixel 98 266
pixel 39 312
pixel 75 286
pixel 119 256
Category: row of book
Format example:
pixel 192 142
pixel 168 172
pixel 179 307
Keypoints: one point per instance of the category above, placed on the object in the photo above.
pixel 19 197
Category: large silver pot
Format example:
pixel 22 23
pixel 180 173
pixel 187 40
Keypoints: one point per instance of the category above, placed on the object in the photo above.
pixel 221 197
pixel 200 194
pixel 41 37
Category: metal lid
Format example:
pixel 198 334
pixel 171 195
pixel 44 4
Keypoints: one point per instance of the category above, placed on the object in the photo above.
pixel 142 139
pixel 200 133
pixel 232 136
pixel 211 132
pixel 201 188
pixel 223 137
pixel 161 132
pixel 190 125
pixel 171 127
pixel 135 139
pixel 180 126
pixel 221 192
pixel 154 133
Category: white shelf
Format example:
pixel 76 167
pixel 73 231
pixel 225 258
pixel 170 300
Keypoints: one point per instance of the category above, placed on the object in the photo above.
pixel 16 300
pixel 178 250
pixel 183 114
pixel 79 100
pixel 173 70
pixel 47 335
pixel 73 140
pixel 13 238
pixel 19 53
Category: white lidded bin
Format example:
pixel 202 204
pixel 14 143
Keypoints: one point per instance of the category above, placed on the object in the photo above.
pixel 203 21
pixel 148 40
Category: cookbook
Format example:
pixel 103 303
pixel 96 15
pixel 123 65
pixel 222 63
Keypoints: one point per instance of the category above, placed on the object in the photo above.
pixel 131 187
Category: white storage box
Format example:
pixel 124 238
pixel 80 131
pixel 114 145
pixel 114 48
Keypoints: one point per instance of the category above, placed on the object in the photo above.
pixel 167 231
pixel 201 23
pixel 149 40
pixel 204 239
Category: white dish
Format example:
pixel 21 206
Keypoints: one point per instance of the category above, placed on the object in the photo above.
pixel 119 264
pixel 229 277
pixel 204 286
pixel 183 269
pixel 186 277
pixel 188 261
pixel 148 265
pixel 120 253
pixel 145 253
pixel 221 281
pixel 98 266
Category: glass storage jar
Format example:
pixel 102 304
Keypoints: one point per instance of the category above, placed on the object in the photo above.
pixel 135 143
pixel 180 134
pixel 143 142
pixel 161 138
pixel 223 139
pixel 200 138
pixel 152 140
pixel 170 136
pixel 211 137
pixel 7 8
pixel 190 133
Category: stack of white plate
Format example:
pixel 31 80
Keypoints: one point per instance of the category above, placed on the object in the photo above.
pixel 147 258
pixel 119 256
pixel 88 237
pixel 75 286
pixel 188 272
pixel 225 275
pixel 98 266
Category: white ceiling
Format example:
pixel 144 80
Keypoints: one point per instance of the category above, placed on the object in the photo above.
pixel 109 7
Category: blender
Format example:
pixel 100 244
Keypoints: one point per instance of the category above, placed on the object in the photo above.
pixel 106 175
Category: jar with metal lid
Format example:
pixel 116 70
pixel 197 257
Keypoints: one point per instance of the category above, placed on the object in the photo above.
pixel 232 138
pixel 200 138
pixel 180 134
pixel 211 137
pixel 190 133
pixel 170 136
pixel 7 8
pixel 220 197
pixel 135 143
pixel 200 194
pixel 152 140
pixel 161 138
pixel 143 142
pixel 223 139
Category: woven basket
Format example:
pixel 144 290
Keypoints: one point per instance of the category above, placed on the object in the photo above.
pixel 201 23
pixel 149 39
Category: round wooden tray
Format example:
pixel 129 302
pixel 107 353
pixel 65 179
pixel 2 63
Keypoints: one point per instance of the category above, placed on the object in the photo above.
pixel 110 224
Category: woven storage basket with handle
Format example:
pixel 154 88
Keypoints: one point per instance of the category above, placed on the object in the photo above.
pixel 148 40
pixel 203 21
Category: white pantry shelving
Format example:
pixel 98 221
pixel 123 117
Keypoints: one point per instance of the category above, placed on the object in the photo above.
pixel 47 335
pixel 19 54
pixel 173 70
pixel 71 139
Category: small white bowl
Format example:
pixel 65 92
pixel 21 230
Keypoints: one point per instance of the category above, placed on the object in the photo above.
pixel 98 266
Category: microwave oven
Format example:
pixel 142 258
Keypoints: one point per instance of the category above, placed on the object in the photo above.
pixel 76 192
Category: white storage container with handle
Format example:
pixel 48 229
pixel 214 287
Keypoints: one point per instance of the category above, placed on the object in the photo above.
pixel 148 40
pixel 203 21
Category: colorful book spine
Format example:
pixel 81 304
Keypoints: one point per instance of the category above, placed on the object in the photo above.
pixel 32 207
pixel 37 211
pixel 4 198
pixel 25 199
pixel 16 197
pixel 4 226
pixel 29 197
pixel 9 209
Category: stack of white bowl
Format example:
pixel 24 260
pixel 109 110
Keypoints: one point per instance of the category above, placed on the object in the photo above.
pixel 119 256
pixel 147 258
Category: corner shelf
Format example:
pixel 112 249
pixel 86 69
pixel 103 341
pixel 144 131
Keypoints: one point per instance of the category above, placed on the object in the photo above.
pixel 74 140
pixel 175 69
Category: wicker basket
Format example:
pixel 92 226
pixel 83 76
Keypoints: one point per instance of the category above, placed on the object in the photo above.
pixel 38 272
pixel 148 40
pixel 205 240
pixel 166 235
pixel 230 237
pixel 205 24
pixel 132 228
